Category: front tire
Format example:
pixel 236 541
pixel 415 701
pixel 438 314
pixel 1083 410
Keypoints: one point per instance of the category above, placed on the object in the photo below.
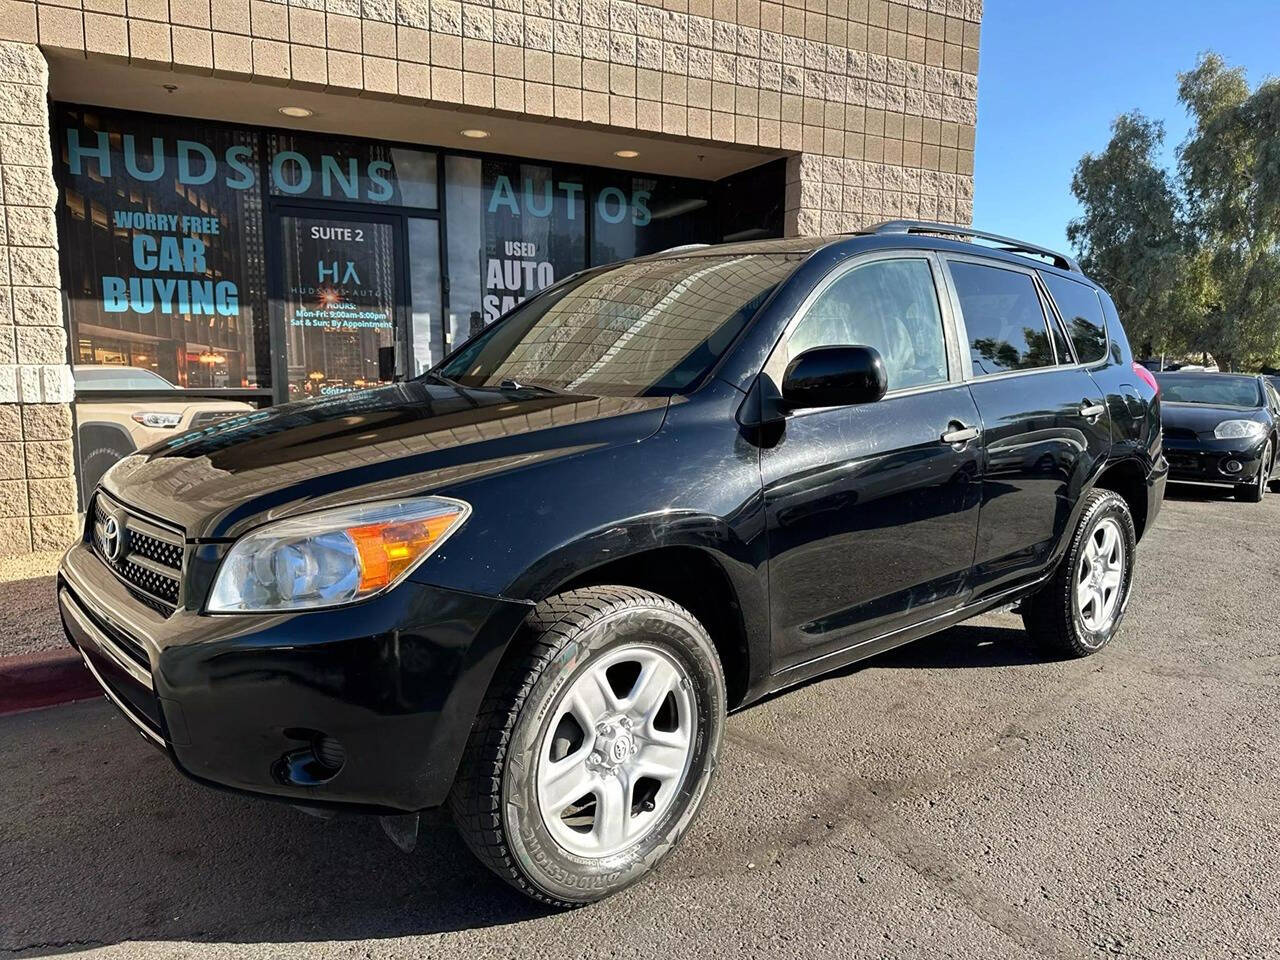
pixel 1255 491
pixel 594 747
pixel 1080 608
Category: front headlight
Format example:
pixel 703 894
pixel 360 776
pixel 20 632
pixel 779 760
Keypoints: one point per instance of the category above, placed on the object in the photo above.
pixel 1239 430
pixel 332 557
pixel 153 418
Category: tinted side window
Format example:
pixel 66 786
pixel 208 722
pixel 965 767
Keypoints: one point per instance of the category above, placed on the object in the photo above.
pixel 891 305
pixel 1082 313
pixel 1004 319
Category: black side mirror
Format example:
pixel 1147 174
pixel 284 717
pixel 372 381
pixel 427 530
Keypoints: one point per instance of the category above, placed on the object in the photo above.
pixel 835 376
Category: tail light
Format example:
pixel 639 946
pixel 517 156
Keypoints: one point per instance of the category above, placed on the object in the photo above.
pixel 1146 376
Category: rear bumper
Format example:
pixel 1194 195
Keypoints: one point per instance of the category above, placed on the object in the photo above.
pixel 1157 480
pixel 255 703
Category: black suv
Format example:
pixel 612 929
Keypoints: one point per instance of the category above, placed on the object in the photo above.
pixel 530 583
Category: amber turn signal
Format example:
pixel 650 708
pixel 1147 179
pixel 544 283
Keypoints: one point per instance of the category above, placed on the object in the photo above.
pixel 388 549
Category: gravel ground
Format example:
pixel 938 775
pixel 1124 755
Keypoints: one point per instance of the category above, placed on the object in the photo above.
pixel 28 614
pixel 961 797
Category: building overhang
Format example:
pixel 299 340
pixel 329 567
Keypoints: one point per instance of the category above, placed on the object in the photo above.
pixel 113 83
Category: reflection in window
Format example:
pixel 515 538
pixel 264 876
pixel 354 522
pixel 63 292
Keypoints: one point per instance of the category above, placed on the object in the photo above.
pixel 1082 312
pixel 118 378
pixel 514 229
pixel 312 167
pixel 424 294
pixel 641 328
pixel 890 305
pixel 635 215
pixel 163 226
pixel 339 302
pixel 1003 318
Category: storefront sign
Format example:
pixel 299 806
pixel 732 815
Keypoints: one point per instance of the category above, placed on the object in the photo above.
pixel 192 163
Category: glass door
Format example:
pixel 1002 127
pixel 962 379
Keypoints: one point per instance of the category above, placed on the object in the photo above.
pixel 340 302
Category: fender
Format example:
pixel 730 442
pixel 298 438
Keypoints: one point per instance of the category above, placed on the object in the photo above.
pixel 653 539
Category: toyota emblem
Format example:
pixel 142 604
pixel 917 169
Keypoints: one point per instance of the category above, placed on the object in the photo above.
pixel 111 538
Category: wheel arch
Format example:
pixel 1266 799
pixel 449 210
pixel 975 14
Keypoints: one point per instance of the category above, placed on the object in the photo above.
pixel 97 431
pixel 697 580
pixel 1128 479
pixel 696 560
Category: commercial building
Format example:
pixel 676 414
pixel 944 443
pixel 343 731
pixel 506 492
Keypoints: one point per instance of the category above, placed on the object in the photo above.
pixel 213 205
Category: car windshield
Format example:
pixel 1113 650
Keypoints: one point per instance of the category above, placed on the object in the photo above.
pixel 1210 389
pixel 646 328
pixel 118 378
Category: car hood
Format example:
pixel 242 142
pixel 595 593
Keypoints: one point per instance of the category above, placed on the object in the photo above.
pixel 1203 417
pixel 400 440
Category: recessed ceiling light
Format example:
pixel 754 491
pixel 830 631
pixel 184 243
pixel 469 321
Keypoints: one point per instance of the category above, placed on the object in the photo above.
pixel 626 154
pixel 296 111
pixel 474 134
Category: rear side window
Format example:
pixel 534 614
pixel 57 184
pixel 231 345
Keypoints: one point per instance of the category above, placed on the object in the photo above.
pixel 1003 317
pixel 1082 313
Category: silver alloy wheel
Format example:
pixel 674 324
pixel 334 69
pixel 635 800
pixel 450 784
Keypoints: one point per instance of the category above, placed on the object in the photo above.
pixel 1264 472
pixel 1100 576
pixel 616 750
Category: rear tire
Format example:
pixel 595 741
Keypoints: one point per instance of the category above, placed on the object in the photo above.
pixel 1080 608
pixel 617 694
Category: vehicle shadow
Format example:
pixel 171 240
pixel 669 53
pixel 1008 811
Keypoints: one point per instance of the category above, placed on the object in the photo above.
pixel 976 645
pixel 102 842
pixel 1197 492
pixel 969 646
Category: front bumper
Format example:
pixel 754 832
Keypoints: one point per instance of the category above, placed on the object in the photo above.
pixel 245 701
pixel 1208 461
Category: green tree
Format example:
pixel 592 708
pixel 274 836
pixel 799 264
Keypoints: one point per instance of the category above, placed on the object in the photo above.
pixel 1229 167
pixel 1131 237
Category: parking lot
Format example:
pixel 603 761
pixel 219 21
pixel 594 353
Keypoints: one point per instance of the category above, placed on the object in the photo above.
pixel 961 797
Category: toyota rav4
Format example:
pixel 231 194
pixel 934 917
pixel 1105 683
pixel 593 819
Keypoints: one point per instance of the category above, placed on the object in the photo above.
pixel 528 585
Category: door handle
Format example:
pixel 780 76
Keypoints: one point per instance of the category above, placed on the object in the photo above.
pixel 961 434
pixel 1091 411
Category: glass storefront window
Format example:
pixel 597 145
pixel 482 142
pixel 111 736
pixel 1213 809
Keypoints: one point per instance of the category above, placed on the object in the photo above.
pixel 308 167
pixel 514 229
pixel 164 219
pixel 424 294
pixel 635 215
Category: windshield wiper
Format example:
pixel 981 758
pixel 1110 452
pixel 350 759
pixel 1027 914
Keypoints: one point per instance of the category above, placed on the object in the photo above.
pixel 441 378
pixel 510 384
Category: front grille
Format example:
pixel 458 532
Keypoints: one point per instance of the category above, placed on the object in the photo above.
pixel 1179 433
pixel 146 556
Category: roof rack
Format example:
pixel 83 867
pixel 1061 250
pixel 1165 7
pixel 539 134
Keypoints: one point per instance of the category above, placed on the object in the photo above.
pixel 1059 260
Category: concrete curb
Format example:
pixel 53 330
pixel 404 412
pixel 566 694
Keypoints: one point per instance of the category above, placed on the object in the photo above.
pixel 43 680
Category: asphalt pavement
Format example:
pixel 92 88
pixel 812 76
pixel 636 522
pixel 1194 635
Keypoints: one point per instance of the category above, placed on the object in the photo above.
pixel 961 797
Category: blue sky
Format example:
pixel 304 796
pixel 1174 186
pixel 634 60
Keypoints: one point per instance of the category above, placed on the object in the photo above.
pixel 1052 76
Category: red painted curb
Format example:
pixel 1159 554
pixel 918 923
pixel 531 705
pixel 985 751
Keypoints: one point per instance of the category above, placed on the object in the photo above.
pixel 44 679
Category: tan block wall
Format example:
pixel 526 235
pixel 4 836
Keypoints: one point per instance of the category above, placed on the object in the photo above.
pixel 889 89
pixel 37 485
